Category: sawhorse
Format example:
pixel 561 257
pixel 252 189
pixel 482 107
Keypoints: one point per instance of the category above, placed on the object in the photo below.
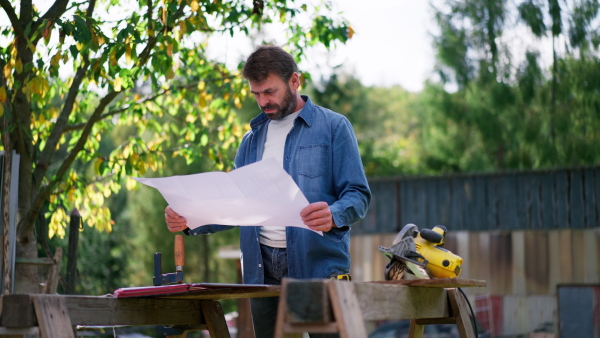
pixel 329 306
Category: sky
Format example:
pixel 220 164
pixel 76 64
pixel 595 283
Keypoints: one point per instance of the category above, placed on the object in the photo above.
pixel 392 44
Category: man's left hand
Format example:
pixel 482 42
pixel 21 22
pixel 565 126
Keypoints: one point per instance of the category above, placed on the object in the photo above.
pixel 317 216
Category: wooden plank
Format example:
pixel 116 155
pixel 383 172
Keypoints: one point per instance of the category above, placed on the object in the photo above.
pixel 133 311
pixel 537 272
pixel 518 271
pixel 555 271
pixel 406 201
pixel 481 208
pixel 566 257
pixel 462 249
pixel 380 301
pixel 479 256
pixel 281 310
pixel 576 207
pixel 52 316
pixel 492 203
pixel 461 313
pixel 457 214
pixel 54 274
pixel 432 211
pixel 21 314
pixel 561 181
pixel 499 245
pixel 378 260
pixel 25 332
pixel 443 190
pixel 386 211
pixel 367 266
pixel 548 201
pixel 597 195
pixel 507 202
pixel 579 259
pixel 219 291
pixel 523 203
pixel 592 256
pixel 346 309
pixel 470 203
pixel 534 210
pixel 215 319
pixel 434 282
pixel 420 204
pixel 590 197
pixel 416 330
pixel 307 302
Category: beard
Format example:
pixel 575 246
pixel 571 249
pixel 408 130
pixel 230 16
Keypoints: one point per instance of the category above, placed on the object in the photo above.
pixel 287 106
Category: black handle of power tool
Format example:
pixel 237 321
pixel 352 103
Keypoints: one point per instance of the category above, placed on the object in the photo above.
pixel 431 236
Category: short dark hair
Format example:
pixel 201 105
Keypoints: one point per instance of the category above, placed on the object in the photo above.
pixel 269 59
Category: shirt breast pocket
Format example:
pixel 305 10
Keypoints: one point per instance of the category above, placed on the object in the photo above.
pixel 312 160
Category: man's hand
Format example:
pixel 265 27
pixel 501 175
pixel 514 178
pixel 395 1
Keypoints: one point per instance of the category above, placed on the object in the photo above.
pixel 317 216
pixel 175 222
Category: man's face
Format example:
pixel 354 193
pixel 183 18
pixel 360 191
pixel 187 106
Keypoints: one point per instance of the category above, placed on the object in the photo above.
pixel 274 96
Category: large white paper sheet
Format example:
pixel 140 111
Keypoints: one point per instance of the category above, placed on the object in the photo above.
pixel 259 194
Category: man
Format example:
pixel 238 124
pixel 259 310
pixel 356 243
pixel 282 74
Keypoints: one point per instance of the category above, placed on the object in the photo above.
pixel 318 148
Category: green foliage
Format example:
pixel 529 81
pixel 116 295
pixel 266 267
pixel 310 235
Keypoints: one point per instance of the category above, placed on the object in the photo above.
pixel 384 119
pixel 73 72
pixel 506 115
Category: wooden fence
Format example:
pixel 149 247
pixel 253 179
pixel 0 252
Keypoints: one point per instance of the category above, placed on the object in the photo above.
pixel 556 199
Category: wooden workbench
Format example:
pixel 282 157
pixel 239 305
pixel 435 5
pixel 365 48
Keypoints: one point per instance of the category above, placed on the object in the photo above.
pixel 305 306
pixel 56 315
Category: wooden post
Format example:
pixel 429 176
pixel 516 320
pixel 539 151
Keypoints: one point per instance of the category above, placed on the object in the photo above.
pixel 72 255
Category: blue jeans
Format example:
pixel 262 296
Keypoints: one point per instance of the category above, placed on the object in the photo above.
pixel 264 310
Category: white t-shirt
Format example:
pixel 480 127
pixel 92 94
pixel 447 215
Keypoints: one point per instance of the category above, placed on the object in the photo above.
pixel 274 147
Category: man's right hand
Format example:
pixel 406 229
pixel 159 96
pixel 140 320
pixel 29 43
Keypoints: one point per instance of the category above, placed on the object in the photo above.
pixel 175 223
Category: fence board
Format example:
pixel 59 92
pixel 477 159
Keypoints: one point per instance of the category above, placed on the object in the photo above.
pixel 470 204
pixel 384 206
pixel 537 270
pixel 597 194
pixel 562 199
pixel 458 204
pixel 492 204
pixel 533 202
pixel 547 201
pixel 590 198
pixel 443 188
pixel 420 203
pixel 556 199
pixel 522 202
pixel 407 202
pixel 576 207
pixel 431 205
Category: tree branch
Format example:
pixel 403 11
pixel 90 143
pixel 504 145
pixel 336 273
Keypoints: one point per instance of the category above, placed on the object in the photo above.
pixel 44 192
pixel 48 152
pixel 14 19
pixel 58 130
pixel 56 10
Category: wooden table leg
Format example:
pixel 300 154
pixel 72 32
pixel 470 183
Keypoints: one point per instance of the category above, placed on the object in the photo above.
pixel 460 310
pixel 215 319
pixel 416 330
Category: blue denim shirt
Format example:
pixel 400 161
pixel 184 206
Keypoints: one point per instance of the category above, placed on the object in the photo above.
pixel 321 155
